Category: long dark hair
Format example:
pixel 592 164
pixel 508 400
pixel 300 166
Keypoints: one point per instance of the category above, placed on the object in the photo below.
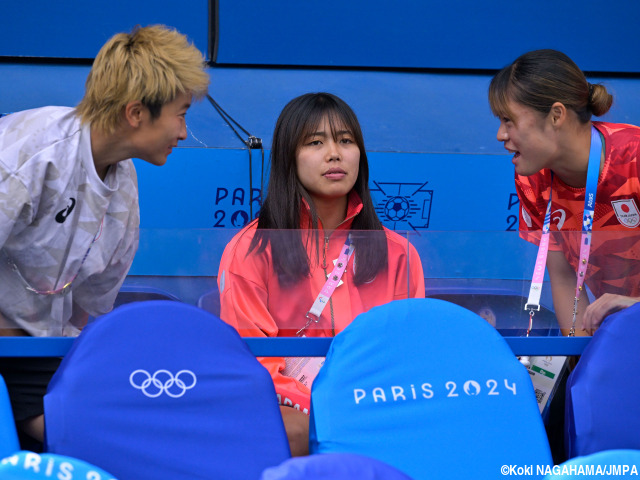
pixel 285 194
pixel 540 78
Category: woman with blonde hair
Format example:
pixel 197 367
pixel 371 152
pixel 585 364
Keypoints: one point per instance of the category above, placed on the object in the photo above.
pixel 69 211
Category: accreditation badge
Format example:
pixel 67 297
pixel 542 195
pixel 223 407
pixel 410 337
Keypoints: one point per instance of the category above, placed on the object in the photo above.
pixel 545 372
pixel 303 369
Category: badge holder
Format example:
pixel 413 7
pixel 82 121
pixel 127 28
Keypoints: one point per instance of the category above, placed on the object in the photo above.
pixel 546 371
pixel 305 369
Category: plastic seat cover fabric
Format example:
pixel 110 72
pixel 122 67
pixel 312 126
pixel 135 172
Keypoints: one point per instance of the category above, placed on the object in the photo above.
pixel 165 390
pixel 603 391
pixel 333 466
pixel 610 464
pixel 8 434
pixel 26 465
pixel 429 388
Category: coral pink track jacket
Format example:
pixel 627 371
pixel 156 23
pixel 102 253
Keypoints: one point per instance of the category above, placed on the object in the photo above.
pixel 253 301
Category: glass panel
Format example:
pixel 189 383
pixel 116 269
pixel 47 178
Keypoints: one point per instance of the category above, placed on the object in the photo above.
pixel 303 283
pixel 488 273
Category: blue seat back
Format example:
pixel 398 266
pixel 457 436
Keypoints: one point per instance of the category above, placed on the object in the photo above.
pixel 603 390
pixel 333 466
pixel 8 435
pixel 165 390
pixel 26 465
pixel 430 388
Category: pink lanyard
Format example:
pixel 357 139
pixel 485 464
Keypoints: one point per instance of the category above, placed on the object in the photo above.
pixel 593 170
pixel 313 315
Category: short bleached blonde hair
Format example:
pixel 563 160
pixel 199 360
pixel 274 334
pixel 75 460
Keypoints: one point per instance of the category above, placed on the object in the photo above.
pixel 151 64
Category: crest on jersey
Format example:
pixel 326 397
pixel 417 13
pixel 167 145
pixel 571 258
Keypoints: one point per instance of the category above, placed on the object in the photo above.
pixel 627 212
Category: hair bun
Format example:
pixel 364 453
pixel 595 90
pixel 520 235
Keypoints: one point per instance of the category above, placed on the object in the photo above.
pixel 600 100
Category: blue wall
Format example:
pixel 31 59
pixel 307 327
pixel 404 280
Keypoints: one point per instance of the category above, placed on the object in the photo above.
pixel 460 34
pixel 77 29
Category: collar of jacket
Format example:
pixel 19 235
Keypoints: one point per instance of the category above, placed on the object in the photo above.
pixel 354 207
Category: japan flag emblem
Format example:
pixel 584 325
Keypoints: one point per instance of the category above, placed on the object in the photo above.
pixel 627 212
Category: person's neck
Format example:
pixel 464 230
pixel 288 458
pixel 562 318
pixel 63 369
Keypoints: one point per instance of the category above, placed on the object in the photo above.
pixel 572 166
pixel 107 150
pixel 332 212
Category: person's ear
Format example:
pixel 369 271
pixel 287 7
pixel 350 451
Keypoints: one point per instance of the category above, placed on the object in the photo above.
pixel 558 114
pixel 133 112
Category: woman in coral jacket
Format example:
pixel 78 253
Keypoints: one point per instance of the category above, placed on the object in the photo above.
pixel 318 255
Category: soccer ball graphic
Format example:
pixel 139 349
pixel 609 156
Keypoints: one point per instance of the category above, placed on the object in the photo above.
pixel 396 208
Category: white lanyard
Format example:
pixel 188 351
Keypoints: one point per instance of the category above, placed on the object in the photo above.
pixel 313 315
pixel 593 170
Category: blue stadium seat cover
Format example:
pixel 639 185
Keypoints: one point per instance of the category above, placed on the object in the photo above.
pixel 164 390
pixel 333 466
pixel 25 465
pixel 603 390
pixel 427 386
pixel 8 434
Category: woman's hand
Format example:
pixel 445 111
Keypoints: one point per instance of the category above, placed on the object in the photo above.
pixel 603 306
pixel 296 425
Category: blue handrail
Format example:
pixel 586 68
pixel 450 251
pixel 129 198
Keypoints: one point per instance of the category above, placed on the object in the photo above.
pixel 290 347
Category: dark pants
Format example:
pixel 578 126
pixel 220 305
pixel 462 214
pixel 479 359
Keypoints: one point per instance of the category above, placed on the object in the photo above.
pixel 27 379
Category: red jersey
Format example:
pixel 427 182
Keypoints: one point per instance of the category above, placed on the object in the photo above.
pixel 614 265
pixel 253 301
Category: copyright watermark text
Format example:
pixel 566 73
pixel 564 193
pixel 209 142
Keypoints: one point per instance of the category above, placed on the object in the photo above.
pixel 604 470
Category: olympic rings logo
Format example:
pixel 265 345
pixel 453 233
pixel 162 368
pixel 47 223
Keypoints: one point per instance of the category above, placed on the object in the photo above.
pixel 163 381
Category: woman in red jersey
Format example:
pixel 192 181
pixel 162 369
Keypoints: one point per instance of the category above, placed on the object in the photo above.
pixel 590 172
pixel 317 224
